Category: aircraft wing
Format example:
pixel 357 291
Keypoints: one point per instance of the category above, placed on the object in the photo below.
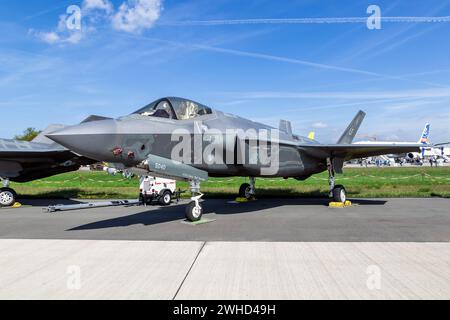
pixel 5 153
pixel 25 161
pixel 19 149
pixel 345 150
pixel 355 151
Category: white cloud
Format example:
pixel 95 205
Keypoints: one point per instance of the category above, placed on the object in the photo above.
pixel 49 37
pixel 55 37
pixel 319 125
pixel 102 5
pixel 137 15
pixel 132 16
pixel 74 37
pixel 62 34
pixel 62 23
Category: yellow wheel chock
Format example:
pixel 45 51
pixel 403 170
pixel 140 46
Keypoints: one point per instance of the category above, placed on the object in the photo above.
pixel 340 204
pixel 242 199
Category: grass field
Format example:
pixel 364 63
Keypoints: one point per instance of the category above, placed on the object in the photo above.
pixel 359 182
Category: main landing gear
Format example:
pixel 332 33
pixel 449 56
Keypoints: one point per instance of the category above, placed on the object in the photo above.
pixel 337 192
pixel 7 195
pixel 194 210
pixel 247 190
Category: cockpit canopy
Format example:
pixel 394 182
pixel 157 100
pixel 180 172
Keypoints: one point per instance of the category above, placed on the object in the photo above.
pixel 174 108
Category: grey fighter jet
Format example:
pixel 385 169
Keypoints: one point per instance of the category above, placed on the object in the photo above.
pixel 22 161
pixel 185 140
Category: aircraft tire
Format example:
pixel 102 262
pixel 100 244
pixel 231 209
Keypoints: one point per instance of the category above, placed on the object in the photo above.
pixel 166 198
pixel 339 194
pixel 244 191
pixel 7 197
pixel 193 213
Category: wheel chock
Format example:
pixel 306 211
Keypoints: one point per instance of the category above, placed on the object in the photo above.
pixel 197 223
pixel 16 205
pixel 340 204
pixel 242 199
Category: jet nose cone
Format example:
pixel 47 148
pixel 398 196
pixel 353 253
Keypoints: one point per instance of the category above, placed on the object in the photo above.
pixel 92 139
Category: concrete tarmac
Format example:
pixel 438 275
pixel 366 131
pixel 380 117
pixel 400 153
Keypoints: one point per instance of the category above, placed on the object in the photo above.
pixel 106 269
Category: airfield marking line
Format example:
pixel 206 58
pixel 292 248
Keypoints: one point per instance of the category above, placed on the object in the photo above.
pixel 187 273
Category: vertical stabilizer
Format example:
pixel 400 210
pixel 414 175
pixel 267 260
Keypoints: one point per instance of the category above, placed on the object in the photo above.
pixel 425 134
pixel 350 133
pixel 286 127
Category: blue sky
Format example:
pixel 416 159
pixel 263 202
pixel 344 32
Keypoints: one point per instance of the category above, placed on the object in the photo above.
pixel 318 75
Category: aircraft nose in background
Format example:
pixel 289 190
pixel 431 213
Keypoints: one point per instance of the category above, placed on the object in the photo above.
pixel 91 139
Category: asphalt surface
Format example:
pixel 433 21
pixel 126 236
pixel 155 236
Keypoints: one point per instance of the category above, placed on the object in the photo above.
pixel 290 220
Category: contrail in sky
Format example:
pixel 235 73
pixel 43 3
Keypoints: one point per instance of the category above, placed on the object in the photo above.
pixel 304 21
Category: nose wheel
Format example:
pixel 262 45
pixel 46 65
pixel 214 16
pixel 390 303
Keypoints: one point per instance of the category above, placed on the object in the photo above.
pixel 194 210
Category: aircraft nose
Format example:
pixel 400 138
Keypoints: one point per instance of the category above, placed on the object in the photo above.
pixel 91 139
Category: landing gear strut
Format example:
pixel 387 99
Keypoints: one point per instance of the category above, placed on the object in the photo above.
pixel 194 210
pixel 7 195
pixel 337 192
pixel 247 190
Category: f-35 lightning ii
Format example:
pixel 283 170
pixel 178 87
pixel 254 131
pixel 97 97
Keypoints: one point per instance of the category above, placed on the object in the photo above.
pixel 185 140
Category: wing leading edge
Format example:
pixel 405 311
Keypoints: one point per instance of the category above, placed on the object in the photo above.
pixel 355 151
pixel 14 148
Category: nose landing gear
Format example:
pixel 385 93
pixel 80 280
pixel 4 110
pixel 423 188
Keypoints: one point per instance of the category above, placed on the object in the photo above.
pixel 194 210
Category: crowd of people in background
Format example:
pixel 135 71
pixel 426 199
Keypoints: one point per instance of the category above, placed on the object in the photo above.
pixel 434 161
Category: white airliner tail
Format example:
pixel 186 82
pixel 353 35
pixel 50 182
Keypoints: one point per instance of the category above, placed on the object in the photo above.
pixel 425 134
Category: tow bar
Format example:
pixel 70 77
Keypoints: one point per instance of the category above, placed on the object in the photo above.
pixel 79 206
